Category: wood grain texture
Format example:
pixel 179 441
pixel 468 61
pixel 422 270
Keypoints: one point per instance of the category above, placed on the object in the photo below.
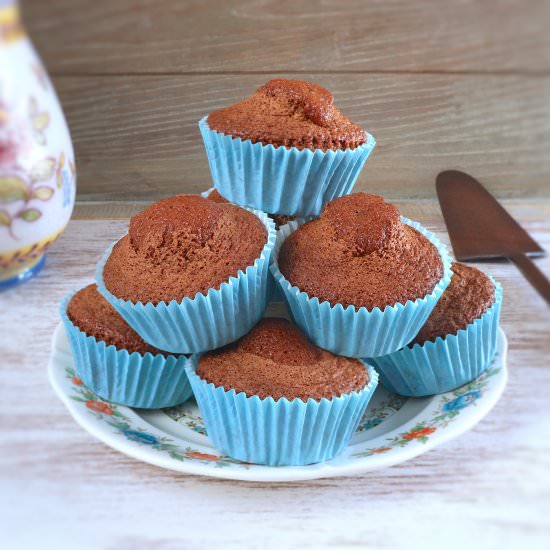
pixel 137 137
pixel 285 35
pixel 488 489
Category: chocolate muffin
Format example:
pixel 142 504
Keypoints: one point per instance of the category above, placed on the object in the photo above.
pixel 276 359
pixel 182 246
pixel 289 113
pixel 93 315
pixel 469 295
pixel 279 219
pixel 360 253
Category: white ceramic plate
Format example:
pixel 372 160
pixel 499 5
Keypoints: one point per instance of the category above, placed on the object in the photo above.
pixel 394 428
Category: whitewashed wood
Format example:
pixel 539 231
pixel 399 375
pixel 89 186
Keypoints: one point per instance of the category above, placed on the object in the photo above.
pixel 60 488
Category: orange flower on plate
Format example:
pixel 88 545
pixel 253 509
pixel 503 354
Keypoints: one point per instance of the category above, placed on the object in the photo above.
pixel 98 406
pixel 381 450
pixel 76 381
pixel 202 456
pixel 419 432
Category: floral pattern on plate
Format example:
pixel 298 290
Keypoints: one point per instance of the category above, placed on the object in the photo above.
pixel 371 418
pixel 154 437
pixel 111 414
pixel 374 417
pixel 450 407
pixel 180 413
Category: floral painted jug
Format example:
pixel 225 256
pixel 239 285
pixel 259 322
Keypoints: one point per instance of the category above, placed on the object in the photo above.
pixel 37 169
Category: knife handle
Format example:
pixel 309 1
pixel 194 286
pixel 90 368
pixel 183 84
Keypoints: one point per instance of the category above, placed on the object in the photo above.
pixel 533 274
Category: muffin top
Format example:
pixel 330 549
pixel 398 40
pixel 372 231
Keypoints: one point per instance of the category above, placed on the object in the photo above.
pixel 469 295
pixel 275 359
pixel 278 219
pixel 360 253
pixel 290 113
pixel 94 315
pixel 182 246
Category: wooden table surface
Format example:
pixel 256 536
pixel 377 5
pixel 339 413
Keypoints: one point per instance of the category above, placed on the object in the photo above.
pixel 441 85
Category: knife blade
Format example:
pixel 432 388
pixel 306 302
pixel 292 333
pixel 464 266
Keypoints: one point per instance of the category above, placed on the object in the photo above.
pixel 479 227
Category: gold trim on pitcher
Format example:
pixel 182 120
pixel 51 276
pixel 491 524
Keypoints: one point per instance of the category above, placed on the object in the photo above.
pixel 19 256
pixel 11 27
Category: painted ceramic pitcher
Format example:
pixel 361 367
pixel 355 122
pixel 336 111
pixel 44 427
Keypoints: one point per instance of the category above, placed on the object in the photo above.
pixel 37 170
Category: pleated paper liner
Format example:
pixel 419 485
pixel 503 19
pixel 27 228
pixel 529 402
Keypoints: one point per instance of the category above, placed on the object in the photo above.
pixel 282 432
pixel 273 292
pixel 280 180
pixel 447 363
pixel 207 321
pixel 133 379
pixel 359 332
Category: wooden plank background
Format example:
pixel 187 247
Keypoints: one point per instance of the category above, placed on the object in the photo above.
pixel 440 84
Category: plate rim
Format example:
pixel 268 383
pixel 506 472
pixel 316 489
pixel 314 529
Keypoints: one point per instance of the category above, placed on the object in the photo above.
pixel 261 473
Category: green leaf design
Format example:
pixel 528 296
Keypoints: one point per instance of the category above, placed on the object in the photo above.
pixel 43 170
pixel 176 455
pixel 5 218
pixel 43 193
pixel 30 214
pixel 78 399
pixel 12 189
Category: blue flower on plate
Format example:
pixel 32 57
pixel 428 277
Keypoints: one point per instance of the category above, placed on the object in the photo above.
pixel 462 401
pixel 199 429
pixel 141 437
pixel 370 423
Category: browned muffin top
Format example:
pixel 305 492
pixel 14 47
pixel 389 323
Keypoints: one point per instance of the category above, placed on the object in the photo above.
pixel 181 246
pixel 360 253
pixel 291 113
pixel 275 359
pixel 469 295
pixel 278 219
pixel 94 315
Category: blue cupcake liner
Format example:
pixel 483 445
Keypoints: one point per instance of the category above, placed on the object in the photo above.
pixel 206 321
pixel 280 180
pixel 359 332
pixel 281 432
pixel 446 363
pixel 133 379
pixel 273 292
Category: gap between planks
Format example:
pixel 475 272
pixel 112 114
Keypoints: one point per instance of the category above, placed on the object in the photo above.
pixel 275 71
pixel 521 209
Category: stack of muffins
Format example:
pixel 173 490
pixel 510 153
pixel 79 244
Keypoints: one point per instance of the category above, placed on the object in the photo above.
pixel 178 304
